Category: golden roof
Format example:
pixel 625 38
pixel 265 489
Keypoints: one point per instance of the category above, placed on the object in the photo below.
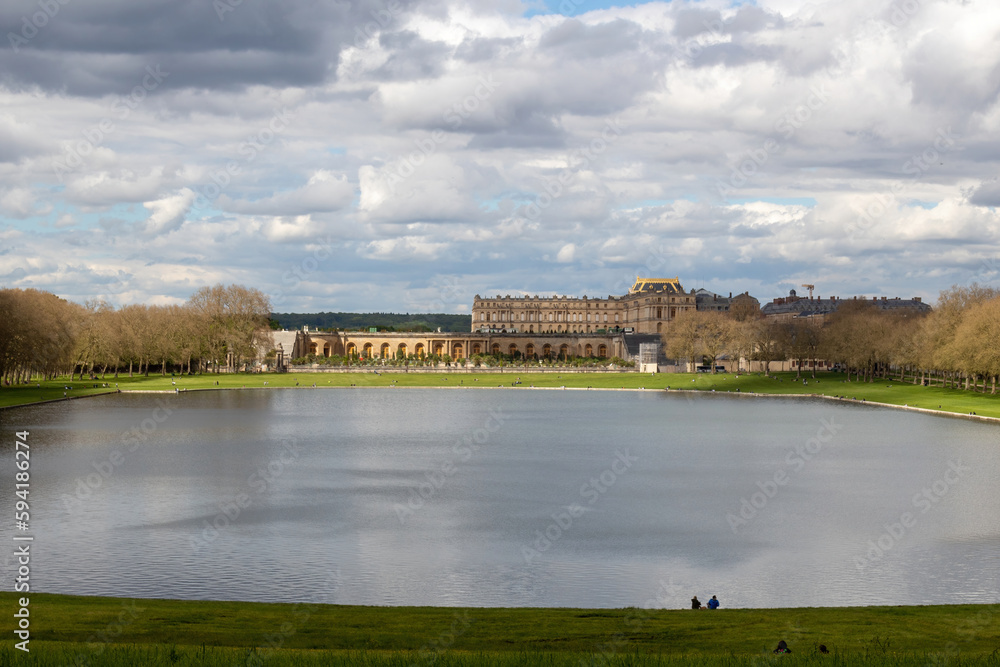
pixel 656 284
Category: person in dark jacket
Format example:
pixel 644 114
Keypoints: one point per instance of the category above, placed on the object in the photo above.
pixel 694 603
pixel 782 647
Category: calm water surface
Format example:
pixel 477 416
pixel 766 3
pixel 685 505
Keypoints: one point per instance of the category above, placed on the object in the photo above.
pixel 509 497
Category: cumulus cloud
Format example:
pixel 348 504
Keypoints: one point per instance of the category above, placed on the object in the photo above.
pixel 20 203
pixel 167 214
pixel 325 191
pixel 755 146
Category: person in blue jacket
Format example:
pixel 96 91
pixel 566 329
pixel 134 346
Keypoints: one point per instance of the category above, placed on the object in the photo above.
pixel 713 603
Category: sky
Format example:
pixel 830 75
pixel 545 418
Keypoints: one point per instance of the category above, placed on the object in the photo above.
pixel 399 156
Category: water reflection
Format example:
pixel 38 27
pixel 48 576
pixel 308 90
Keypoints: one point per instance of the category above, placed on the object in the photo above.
pixel 511 498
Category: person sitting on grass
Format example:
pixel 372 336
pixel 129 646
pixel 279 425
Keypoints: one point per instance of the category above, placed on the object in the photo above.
pixel 713 603
pixel 782 647
pixel 694 603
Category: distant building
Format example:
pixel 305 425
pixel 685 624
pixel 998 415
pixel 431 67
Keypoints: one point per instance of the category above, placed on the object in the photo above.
pixel 710 301
pixel 648 307
pixel 793 305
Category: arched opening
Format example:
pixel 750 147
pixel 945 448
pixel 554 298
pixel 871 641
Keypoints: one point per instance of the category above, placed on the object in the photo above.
pixel 352 349
pixel 313 348
pixel 659 327
pixel 602 351
pixel 512 351
pixel 401 351
pixel 418 350
pixel 477 348
pixel 547 351
pixel 564 351
pixel 588 350
pixel 367 351
pixel 439 349
pixel 495 349
pixel 326 350
pixel 457 351
pixel 384 353
pixel 529 351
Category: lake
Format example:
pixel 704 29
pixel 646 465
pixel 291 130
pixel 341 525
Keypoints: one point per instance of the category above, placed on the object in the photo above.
pixel 508 497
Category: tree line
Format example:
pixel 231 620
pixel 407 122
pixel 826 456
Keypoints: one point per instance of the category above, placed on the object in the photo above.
pixel 423 322
pixel 954 345
pixel 44 335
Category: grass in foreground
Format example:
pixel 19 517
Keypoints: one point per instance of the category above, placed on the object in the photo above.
pixel 118 655
pixel 92 630
pixel 953 401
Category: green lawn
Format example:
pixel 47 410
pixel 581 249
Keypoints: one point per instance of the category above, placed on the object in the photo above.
pixel 67 626
pixel 828 384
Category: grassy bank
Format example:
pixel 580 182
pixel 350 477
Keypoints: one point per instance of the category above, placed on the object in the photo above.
pixel 827 384
pixel 89 630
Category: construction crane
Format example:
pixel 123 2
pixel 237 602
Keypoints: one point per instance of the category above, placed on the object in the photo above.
pixel 810 288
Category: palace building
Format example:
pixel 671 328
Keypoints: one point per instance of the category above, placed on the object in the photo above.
pixel 648 307
pixel 795 306
pixel 558 327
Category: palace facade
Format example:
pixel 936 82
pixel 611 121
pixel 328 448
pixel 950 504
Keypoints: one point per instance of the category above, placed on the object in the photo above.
pixel 648 307
pixel 558 327
pixel 455 346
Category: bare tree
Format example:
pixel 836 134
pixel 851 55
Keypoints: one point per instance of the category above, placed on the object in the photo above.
pixel 236 320
pixel 699 334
